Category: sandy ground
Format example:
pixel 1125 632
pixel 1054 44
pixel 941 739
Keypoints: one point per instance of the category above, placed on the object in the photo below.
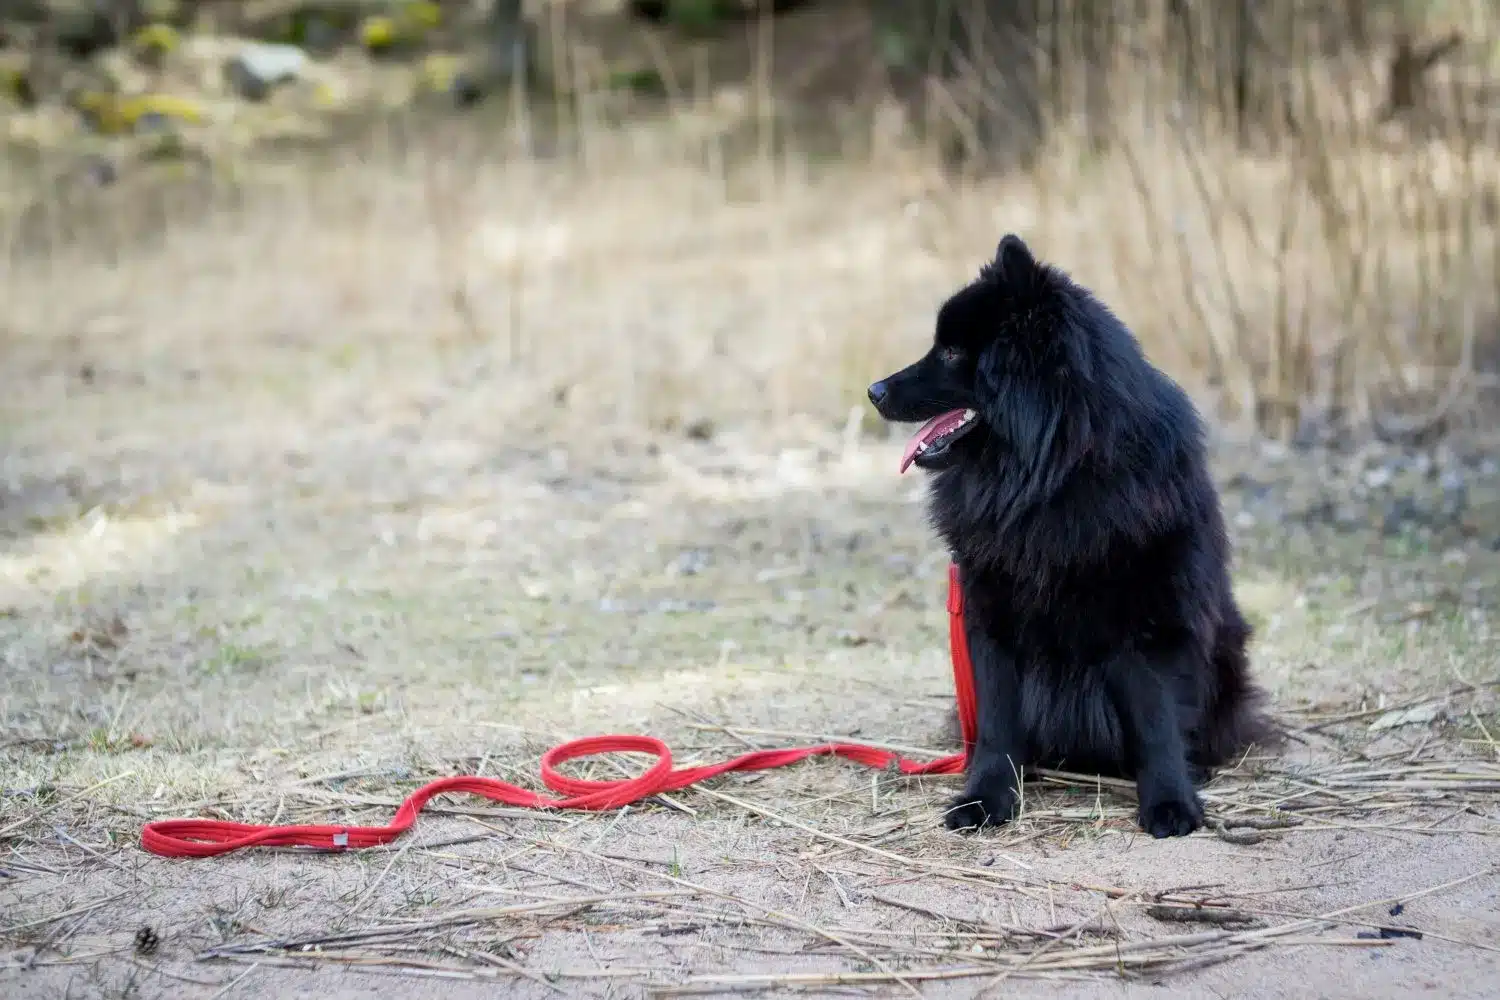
pixel 298 613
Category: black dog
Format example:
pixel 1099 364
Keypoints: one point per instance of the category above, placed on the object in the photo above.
pixel 1071 487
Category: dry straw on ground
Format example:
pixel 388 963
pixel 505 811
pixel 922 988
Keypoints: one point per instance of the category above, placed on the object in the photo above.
pixel 568 876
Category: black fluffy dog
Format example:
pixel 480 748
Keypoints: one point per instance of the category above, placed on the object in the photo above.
pixel 1071 486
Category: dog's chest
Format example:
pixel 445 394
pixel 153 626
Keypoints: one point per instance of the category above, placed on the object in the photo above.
pixel 1066 624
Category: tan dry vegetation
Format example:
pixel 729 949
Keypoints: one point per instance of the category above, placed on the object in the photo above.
pixel 1328 265
pixel 300 621
pixel 413 460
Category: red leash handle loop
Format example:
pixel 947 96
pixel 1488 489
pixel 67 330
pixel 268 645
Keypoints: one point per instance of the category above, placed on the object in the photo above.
pixel 202 838
pixel 585 794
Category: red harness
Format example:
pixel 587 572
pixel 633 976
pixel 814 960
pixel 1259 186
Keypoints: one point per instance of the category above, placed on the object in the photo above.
pixel 201 838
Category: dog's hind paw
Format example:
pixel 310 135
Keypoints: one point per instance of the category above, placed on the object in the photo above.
pixel 970 812
pixel 1173 817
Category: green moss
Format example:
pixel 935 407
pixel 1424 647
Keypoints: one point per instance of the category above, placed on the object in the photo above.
pixel 114 114
pixel 645 80
pixel 153 43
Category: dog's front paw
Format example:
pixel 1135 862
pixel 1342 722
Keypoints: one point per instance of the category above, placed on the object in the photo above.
pixel 1172 816
pixel 973 810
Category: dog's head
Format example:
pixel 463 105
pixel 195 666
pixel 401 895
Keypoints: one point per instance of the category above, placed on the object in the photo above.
pixel 999 346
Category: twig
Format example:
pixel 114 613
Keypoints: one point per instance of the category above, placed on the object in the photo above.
pixel 157 970
pixel 868 849
pixel 1043 950
pixel 447 920
pixel 224 990
pixel 25 820
pixel 1198 915
pixel 741 731
pixel 96 855
pixel 85 908
pixel 708 984
pixel 359 903
pixel 439 809
pixel 803 925
pixel 837 886
pixel 984 928
pixel 508 965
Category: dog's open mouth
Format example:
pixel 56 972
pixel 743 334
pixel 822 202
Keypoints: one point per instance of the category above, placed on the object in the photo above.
pixel 937 435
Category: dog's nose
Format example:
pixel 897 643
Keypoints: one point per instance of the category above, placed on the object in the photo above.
pixel 877 392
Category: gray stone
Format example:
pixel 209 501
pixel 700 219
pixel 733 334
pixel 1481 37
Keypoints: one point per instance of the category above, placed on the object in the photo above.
pixel 259 67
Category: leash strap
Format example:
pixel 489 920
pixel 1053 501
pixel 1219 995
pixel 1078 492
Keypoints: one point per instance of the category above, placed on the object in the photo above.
pixel 202 838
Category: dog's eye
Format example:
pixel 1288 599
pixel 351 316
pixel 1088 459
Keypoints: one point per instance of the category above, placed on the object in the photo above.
pixel 950 355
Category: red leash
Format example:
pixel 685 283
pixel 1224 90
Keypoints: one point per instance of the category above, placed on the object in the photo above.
pixel 202 838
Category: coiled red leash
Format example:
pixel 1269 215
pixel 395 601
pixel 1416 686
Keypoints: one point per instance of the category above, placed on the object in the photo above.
pixel 202 838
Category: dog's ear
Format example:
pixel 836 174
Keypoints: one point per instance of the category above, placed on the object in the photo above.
pixel 1014 261
pixel 1016 271
pixel 1013 256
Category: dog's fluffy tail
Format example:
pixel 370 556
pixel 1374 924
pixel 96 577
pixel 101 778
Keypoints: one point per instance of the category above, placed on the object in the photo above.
pixel 1237 718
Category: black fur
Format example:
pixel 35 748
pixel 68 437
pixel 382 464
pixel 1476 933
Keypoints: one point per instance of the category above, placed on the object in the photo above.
pixel 1090 543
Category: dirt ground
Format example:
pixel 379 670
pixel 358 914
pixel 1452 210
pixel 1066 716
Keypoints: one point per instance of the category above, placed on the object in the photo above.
pixel 264 557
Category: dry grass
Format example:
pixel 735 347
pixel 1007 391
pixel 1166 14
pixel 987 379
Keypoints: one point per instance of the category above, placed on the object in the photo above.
pixel 413 462
pixel 288 654
pixel 602 290
pixel 1327 269
pixel 573 905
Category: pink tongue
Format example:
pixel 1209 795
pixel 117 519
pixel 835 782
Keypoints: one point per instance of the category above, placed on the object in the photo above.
pixel 929 432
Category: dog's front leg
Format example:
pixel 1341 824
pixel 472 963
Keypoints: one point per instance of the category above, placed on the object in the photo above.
pixel 1151 728
pixel 992 784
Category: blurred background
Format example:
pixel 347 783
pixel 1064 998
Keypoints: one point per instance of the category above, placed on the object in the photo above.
pixel 693 211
